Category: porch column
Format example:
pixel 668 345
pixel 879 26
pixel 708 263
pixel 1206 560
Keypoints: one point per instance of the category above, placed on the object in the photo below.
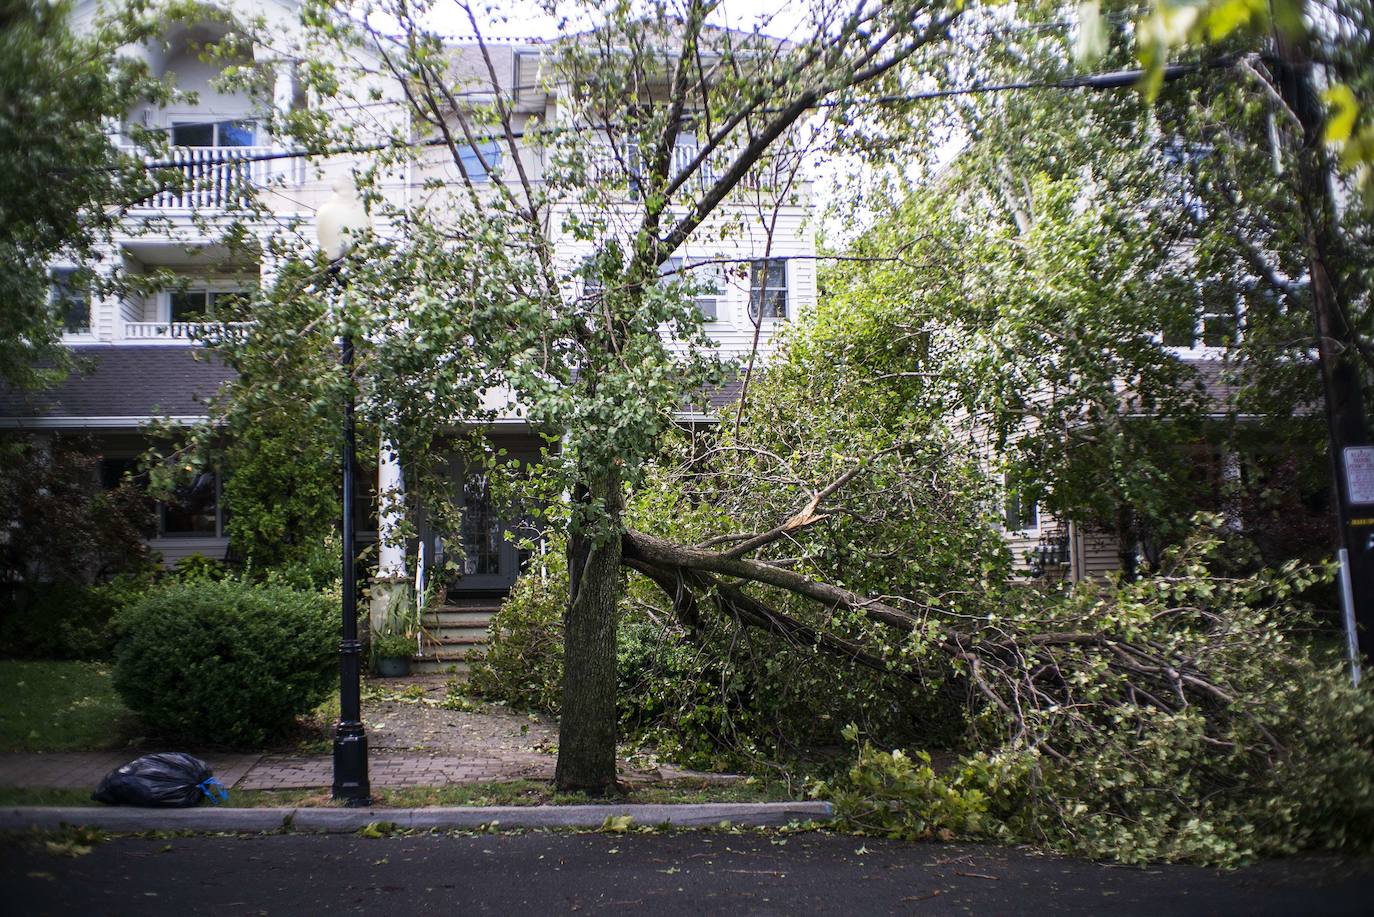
pixel 391 579
pixel 283 85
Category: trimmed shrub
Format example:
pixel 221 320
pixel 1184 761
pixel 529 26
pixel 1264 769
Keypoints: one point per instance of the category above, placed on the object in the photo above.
pixel 225 662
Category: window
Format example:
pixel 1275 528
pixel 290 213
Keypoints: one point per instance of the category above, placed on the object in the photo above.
pixel 70 301
pixel 590 272
pixel 193 510
pixel 1182 181
pixel 201 305
pixel 113 471
pixel 708 280
pixel 472 163
pixel 1019 514
pixel 1212 324
pixel 768 288
pixel 214 133
pixel 1181 331
pixel 1219 324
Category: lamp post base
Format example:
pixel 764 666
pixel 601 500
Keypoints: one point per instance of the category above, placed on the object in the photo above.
pixel 351 785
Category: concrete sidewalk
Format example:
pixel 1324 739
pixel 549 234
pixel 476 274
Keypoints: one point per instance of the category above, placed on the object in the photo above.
pixel 337 821
pixel 84 769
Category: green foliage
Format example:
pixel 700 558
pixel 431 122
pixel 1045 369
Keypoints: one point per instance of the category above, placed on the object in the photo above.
pixel 523 661
pixel 393 646
pixel 225 662
pixel 714 697
pixel 1272 753
pixel 65 621
pixel 316 567
pixel 275 429
pixel 199 567
pixel 899 795
pixel 73 530
pixel 65 178
pixel 1038 286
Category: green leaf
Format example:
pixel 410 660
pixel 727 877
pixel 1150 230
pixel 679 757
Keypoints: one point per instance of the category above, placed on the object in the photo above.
pixel 1345 109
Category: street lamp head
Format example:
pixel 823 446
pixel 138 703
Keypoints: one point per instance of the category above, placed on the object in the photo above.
pixel 341 219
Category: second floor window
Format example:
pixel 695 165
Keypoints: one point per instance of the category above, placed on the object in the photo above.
pixel 214 133
pixel 708 280
pixel 768 288
pixel 70 301
pixel 472 163
pixel 200 305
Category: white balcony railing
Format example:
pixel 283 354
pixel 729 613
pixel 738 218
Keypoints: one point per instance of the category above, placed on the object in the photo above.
pixel 187 331
pixel 218 178
pixel 626 164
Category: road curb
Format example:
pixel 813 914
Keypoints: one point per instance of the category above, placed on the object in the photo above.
pixel 339 821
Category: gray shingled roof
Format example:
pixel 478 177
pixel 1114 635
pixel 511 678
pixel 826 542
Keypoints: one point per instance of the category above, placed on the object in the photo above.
pixel 116 381
pixel 140 381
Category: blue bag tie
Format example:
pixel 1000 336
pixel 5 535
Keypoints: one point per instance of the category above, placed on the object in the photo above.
pixel 215 791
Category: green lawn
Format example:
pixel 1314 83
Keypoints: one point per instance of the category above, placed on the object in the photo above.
pixel 60 706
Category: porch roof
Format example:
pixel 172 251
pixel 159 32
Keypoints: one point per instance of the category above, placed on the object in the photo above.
pixel 116 385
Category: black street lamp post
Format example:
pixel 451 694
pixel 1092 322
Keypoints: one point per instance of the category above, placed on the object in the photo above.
pixel 343 215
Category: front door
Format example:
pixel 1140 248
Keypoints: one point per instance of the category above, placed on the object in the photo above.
pixel 490 560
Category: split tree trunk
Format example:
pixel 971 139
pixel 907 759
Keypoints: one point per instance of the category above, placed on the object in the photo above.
pixel 587 730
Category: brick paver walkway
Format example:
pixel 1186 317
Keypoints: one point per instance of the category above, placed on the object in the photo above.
pixel 276 772
pixel 414 743
pixel 82 770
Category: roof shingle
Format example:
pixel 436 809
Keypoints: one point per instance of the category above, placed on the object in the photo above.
pixel 124 381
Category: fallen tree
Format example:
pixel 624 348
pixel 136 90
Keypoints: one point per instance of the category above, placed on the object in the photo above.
pixel 1023 672
pixel 1184 715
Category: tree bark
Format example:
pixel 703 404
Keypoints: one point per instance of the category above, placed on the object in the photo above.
pixel 587 730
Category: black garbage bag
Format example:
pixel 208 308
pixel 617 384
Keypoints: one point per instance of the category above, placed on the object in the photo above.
pixel 167 780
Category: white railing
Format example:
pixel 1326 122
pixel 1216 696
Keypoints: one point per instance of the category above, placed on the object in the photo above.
pixel 217 178
pixel 625 164
pixel 187 331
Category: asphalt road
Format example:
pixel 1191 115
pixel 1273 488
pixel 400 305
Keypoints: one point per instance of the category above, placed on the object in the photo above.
pixel 659 874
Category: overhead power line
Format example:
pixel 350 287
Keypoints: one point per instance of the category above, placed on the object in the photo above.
pixel 1117 79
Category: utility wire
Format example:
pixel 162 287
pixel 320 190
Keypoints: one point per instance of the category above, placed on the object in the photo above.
pixel 1118 79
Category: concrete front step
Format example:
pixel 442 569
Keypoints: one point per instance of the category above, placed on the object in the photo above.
pixel 448 617
pixel 450 650
pixel 455 632
pixel 456 638
pixel 429 665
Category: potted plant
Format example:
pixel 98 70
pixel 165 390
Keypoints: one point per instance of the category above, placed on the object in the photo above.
pixel 391 654
pixel 398 639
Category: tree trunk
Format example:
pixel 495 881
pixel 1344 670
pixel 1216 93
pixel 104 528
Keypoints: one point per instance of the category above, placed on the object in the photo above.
pixel 587 731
